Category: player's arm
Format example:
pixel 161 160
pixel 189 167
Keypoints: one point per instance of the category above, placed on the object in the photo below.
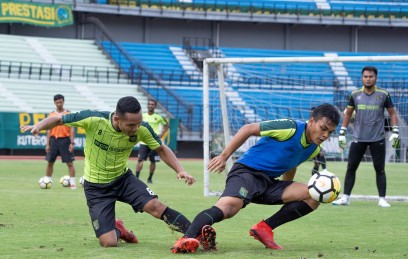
pixel 47 143
pixel 347 116
pixel 45 124
pixel 217 164
pixel 171 160
pixel 165 129
pixel 289 175
pixel 394 138
pixel 72 137
pixel 348 112
pixel 393 116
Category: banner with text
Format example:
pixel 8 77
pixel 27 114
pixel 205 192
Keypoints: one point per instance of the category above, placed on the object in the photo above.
pixel 12 137
pixel 47 15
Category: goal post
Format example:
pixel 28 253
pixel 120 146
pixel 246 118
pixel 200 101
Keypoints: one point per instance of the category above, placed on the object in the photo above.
pixel 237 91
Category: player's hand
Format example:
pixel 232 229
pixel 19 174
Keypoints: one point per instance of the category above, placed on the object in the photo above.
pixel 342 137
pixel 32 128
pixel 217 165
pixel 394 138
pixel 187 178
pixel 47 148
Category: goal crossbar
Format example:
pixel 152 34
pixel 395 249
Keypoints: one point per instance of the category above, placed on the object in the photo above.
pixel 215 61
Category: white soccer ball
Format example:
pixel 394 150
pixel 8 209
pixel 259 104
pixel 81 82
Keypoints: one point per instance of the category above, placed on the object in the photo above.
pixel 45 183
pixel 82 180
pixel 324 187
pixel 65 181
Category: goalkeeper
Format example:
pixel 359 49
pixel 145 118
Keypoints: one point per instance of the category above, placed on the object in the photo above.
pixel 369 103
pixel 254 177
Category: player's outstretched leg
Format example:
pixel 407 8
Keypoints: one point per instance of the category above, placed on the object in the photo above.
pixel 207 238
pixel 125 234
pixel 185 245
pixel 264 234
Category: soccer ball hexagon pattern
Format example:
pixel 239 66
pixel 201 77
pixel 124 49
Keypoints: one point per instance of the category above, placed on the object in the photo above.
pixel 65 181
pixel 324 186
pixel 45 183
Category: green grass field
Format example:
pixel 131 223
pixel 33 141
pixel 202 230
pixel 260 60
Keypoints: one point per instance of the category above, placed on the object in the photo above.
pixel 54 223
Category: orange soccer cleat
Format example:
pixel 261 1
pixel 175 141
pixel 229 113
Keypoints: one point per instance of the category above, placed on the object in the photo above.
pixel 125 234
pixel 207 238
pixel 185 245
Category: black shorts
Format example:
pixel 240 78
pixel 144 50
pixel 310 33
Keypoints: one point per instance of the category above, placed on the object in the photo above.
pixel 145 151
pixel 101 199
pixel 59 146
pixel 254 186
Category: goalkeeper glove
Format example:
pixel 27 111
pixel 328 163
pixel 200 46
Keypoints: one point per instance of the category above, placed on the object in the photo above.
pixel 394 139
pixel 342 137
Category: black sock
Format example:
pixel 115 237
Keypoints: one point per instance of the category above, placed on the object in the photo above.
pixel 289 212
pixel 206 217
pixel 137 174
pixel 175 220
pixel 322 160
pixel 150 176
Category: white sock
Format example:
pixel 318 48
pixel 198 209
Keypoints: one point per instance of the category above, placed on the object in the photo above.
pixel 72 180
pixel 345 196
pixel 48 177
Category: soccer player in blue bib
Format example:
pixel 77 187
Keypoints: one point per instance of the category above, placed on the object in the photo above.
pixel 254 176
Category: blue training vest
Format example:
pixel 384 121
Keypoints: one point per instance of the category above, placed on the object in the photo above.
pixel 277 157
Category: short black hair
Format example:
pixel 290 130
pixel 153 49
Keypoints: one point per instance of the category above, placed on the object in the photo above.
pixel 58 96
pixel 127 104
pixel 370 68
pixel 326 110
pixel 152 100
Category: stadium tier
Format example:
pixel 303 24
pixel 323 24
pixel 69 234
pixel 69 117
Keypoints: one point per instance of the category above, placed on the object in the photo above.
pixel 34 69
pixel 352 8
pixel 53 59
pixel 296 85
pixel 178 78
pixel 22 95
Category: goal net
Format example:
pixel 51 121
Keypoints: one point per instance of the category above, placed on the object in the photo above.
pixel 237 91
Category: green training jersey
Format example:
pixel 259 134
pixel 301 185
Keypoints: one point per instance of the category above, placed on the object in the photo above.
pixel 107 150
pixel 156 121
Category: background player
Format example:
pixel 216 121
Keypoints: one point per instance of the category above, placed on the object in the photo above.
pixel 369 103
pixel 60 141
pixel 160 127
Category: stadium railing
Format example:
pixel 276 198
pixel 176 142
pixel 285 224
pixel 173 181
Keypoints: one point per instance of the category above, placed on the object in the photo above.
pixel 60 72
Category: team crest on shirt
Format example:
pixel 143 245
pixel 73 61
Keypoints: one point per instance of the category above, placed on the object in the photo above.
pixel 95 224
pixel 243 192
pixel 132 139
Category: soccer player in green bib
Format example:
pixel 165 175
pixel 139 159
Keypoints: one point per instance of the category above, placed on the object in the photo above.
pixel 110 138
pixel 160 127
